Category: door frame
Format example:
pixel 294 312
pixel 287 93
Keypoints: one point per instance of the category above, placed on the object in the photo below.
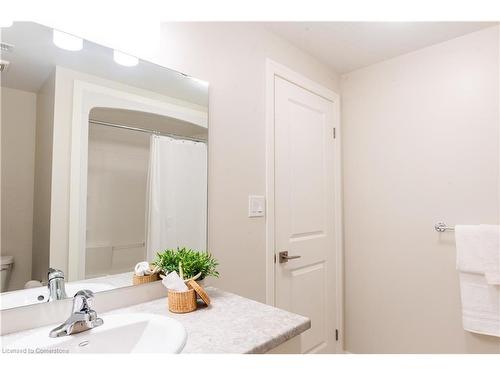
pixel 274 69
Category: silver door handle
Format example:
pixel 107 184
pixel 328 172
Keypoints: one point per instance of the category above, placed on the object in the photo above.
pixel 284 257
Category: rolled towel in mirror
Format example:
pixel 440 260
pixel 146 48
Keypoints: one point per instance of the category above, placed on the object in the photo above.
pixel 32 284
pixel 142 269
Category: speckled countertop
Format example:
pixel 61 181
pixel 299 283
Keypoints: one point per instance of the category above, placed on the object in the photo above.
pixel 231 324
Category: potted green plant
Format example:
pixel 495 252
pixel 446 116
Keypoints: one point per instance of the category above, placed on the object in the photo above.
pixel 187 262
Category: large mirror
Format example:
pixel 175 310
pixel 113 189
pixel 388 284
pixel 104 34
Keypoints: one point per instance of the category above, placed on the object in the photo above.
pixel 103 164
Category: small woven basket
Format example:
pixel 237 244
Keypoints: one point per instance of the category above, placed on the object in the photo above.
pixel 181 302
pixel 137 280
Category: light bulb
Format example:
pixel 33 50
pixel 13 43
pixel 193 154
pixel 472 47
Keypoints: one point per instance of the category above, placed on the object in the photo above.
pixel 67 41
pixel 124 59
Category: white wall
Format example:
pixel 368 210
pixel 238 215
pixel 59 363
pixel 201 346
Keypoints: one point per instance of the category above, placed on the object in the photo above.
pixel 18 168
pixel 421 144
pixel 43 178
pixel 232 58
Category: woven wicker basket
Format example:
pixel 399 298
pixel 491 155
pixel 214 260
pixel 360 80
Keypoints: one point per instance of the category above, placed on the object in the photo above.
pixel 136 280
pixel 181 302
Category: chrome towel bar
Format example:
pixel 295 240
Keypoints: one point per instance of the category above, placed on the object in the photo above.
pixel 442 227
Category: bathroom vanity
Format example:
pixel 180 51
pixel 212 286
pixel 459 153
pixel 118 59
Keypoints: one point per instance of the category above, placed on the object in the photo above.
pixel 231 324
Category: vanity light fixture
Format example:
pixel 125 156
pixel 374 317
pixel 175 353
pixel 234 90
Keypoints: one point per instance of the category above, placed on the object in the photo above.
pixel 125 59
pixel 67 41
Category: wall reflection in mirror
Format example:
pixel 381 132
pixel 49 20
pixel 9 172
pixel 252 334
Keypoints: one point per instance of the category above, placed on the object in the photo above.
pixel 103 161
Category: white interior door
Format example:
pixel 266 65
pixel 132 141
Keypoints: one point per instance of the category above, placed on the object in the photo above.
pixel 305 211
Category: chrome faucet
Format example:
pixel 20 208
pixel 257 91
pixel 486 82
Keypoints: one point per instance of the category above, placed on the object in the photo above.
pixel 56 287
pixel 82 317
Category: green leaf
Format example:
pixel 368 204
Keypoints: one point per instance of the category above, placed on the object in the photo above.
pixel 193 262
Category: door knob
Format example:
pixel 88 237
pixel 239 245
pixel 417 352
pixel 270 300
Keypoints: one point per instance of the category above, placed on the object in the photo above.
pixel 284 257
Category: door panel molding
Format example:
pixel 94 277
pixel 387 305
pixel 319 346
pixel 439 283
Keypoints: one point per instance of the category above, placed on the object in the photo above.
pixel 274 70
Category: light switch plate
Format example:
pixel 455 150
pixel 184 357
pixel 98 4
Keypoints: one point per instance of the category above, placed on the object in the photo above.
pixel 256 206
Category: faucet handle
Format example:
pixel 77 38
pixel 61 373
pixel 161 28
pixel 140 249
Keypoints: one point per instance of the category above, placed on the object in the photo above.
pixel 82 318
pixel 83 301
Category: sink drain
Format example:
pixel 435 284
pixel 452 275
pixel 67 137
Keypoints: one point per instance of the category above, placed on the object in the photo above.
pixel 84 343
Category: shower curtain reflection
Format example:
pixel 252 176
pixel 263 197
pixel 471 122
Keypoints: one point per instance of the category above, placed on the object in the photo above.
pixel 176 205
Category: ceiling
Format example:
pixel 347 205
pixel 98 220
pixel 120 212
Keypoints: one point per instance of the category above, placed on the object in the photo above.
pixel 35 56
pixel 347 46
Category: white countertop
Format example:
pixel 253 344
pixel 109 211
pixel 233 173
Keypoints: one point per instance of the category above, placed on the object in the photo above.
pixel 231 324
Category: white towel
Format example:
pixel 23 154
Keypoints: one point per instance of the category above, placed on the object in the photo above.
pixel 142 269
pixel 469 254
pixel 480 305
pixel 480 301
pixel 32 284
pixel 490 248
pixel 174 282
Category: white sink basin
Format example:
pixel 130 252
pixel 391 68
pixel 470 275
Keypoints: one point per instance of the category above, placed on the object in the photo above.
pixel 30 296
pixel 120 333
